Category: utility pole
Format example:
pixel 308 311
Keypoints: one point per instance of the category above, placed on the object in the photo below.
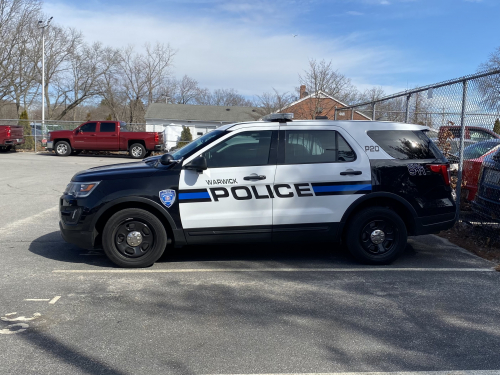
pixel 43 26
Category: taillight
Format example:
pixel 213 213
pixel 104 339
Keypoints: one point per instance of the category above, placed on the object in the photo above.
pixel 8 132
pixel 443 169
pixel 157 138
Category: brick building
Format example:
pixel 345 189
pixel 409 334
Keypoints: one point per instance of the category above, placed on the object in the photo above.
pixel 320 104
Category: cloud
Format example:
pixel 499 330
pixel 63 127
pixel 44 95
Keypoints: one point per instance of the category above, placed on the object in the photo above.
pixel 222 53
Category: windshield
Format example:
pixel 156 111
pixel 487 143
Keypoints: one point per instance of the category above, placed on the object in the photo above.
pixel 197 144
pixel 479 149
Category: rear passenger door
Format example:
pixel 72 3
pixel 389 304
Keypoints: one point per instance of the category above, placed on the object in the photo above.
pixel 321 171
pixel 107 138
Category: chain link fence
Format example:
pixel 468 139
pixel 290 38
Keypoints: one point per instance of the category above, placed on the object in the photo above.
pixel 464 120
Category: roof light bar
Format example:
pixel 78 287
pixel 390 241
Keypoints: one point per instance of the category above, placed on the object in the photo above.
pixel 278 117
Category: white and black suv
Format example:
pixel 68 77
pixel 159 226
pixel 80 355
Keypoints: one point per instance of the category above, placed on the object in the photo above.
pixel 369 184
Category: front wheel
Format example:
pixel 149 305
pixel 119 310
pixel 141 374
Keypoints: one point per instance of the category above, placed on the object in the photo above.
pixel 137 151
pixel 62 148
pixel 376 235
pixel 134 238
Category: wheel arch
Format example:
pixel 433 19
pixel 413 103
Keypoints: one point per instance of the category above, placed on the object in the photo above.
pixel 62 139
pixel 393 201
pixel 140 141
pixel 114 206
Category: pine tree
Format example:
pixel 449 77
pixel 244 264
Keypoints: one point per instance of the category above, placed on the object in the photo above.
pixel 29 142
pixel 185 138
pixel 496 127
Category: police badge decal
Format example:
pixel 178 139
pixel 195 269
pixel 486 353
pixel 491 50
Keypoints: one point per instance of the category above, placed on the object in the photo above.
pixel 167 197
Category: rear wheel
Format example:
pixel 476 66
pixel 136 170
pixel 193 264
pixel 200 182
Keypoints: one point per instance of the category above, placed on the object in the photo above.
pixel 62 148
pixel 137 151
pixel 134 238
pixel 376 235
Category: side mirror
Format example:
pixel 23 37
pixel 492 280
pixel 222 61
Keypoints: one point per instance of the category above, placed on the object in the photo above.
pixel 198 164
pixel 77 131
pixel 166 159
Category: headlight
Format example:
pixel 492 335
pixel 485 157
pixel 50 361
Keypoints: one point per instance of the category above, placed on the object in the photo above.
pixel 80 189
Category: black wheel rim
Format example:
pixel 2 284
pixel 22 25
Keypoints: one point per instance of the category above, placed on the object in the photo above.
pixel 376 243
pixel 134 238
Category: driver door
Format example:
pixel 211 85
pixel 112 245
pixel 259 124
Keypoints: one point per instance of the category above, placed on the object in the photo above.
pixel 86 137
pixel 231 201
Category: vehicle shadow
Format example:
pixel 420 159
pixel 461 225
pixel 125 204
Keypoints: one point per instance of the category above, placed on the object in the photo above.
pixel 96 155
pixel 52 246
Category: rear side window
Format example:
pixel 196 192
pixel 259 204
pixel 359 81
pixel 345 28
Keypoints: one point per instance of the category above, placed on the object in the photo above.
pixel 108 127
pixel 405 144
pixel 316 146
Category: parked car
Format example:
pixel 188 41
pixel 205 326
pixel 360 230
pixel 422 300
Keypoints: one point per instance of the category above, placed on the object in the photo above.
pixel 487 200
pixel 104 136
pixel 10 137
pixel 474 156
pixel 473 134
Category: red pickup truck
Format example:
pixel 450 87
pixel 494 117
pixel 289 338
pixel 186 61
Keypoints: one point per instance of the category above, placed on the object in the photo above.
pixel 104 136
pixel 10 137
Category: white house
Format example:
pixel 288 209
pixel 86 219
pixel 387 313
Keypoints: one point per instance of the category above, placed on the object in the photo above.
pixel 170 118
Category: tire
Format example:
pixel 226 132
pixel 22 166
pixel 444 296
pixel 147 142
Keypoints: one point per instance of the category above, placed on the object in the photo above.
pixel 62 148
pixel 120 248
pixel 8 148
pixel 137 151
pixel 363 241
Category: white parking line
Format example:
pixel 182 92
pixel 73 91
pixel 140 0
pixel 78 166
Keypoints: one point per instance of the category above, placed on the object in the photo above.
pixel 37 299
pixel 459 372
pixel 23 223
pixel 54 300
pixel 367 269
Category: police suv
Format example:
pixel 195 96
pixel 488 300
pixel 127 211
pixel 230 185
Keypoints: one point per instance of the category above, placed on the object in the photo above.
pixel 368 184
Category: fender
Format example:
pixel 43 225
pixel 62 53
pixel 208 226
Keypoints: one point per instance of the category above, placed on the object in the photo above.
pixel 178 234
pixel 366 197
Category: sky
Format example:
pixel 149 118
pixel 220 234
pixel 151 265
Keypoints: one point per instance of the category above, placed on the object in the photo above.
pixel 255 45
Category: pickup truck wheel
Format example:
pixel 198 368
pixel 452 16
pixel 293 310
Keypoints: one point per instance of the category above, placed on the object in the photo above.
pixel 62 148
pixel 137 151
pixel 376 235
pixel 134 238
pixel 8 148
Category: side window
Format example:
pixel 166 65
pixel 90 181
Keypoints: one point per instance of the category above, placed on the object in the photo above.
pixel 479 135
pixel 89 127
pixel 316 146
pixel 242 150
pixel 108 127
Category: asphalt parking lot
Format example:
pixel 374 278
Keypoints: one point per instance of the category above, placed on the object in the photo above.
pixel 229 310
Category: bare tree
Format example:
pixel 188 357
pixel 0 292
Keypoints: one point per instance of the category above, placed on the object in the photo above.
pixel 489 87
pixel 270 102
pixel 322 78
pixel 186 90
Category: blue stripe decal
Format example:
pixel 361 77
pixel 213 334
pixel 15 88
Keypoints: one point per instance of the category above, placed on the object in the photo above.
pixel 326 189
pixel 184 196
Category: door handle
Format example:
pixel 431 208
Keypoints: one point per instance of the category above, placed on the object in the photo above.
pixel 350 172
pixel 254 176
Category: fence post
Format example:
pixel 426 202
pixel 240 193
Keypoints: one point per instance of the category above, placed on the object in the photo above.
pixel 462 143
pixel 373 111
pixel 352 113
pixel 335 113
pixel 407 114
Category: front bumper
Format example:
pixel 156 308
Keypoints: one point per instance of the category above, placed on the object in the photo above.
pixel 50 146
pixel 80 238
